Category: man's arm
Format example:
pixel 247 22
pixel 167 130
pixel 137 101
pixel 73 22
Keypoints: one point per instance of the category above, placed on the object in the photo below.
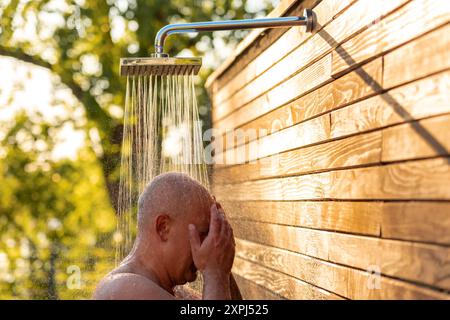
pixel 234 289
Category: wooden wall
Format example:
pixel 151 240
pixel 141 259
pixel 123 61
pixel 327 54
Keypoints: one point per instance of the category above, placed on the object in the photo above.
pixel 348 194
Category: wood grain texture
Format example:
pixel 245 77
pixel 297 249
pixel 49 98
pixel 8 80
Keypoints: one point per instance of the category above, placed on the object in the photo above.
pixel 325 11
pixel 406 103
pixel 264 115
pixel 314 243
pixel 254 43
pixel 338 93
pixel 341 163
pixel 417 221
pixel 388 33
pixel 351 21
pixel 424 179
pixel 408 141
pixel 423 263
pixel 345 281
pixel 303 134
pixel 282 284
pixel 252 291
pixel 308 187
pixel 420 58
pixel 307 80
pixel 352 217
pixel 322 274
pixel 353 151
pixel 367 286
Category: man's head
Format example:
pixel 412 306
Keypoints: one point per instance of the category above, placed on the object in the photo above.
pixel 166 207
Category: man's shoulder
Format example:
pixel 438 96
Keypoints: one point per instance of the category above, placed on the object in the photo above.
pixel 129 286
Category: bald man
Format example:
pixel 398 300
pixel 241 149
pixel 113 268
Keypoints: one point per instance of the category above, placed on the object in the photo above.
pixel 181 229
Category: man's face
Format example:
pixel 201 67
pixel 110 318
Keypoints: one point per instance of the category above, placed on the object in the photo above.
pixel 184 268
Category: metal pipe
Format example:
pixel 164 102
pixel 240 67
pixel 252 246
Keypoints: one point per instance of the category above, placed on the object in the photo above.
pixel 283 22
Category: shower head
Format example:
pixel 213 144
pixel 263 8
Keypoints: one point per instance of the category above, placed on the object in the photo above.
pixel 159 66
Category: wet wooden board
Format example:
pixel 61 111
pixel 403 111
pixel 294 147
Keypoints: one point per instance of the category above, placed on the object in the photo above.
pixel 344 145
pixel 396 29
pixel 303 134
pixel 417 221
pixel 360 217
pixel 347 282
pixel 427 264
pixel 349 152
pixel 344 91
pixel 352 20
pixel 418 139
pixel 422 179
pixel 406 103
pixel 281 284
pixel 325 11
pixel 252 291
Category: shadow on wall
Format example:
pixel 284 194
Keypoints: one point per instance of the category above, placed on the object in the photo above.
pixel 378 88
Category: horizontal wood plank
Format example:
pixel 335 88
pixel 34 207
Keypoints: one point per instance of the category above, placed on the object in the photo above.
pixel 387 34
pixel 325 11
pixel 420 58
pixel 303 134
pixel 282 284
pixel 424 179
pixel 352 217
pixel 427 264
pixel 417 221
pixel 345 281
pixel 352 151
pixel 350 22
pixel 252 291
pixel 414 101
pixel 418 139
pixel 368 286
pixel 322 274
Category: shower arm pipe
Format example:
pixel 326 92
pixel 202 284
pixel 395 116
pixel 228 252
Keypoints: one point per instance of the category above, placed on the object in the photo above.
pixel 306 20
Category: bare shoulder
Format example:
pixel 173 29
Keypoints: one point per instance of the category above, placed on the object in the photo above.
pixel 129 286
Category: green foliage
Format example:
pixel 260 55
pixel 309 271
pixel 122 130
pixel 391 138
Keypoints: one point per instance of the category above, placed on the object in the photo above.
pixel 53 214
pixel 57 214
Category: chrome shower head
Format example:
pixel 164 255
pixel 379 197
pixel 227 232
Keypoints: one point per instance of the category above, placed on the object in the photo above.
pixel 159 66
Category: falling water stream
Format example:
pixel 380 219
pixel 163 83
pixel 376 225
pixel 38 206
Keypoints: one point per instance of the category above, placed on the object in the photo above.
pixel 161 133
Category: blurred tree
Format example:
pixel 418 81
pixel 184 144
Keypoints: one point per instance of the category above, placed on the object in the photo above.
pixel 82 41
pixel 53 215
pixel 56 216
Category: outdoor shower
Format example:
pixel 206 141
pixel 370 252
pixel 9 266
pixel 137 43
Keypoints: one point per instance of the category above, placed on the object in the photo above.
pixel 162 130
pixel 161 64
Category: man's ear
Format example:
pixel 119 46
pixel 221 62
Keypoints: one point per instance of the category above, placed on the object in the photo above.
pixel 163 223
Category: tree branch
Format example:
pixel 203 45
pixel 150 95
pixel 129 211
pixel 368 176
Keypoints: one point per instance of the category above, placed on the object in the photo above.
pixel 108 127
pixel 93 109
pixel 20 55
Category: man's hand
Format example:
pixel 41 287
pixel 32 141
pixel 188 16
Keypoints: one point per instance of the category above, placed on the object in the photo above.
pixel 216 253
pixel 214 257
